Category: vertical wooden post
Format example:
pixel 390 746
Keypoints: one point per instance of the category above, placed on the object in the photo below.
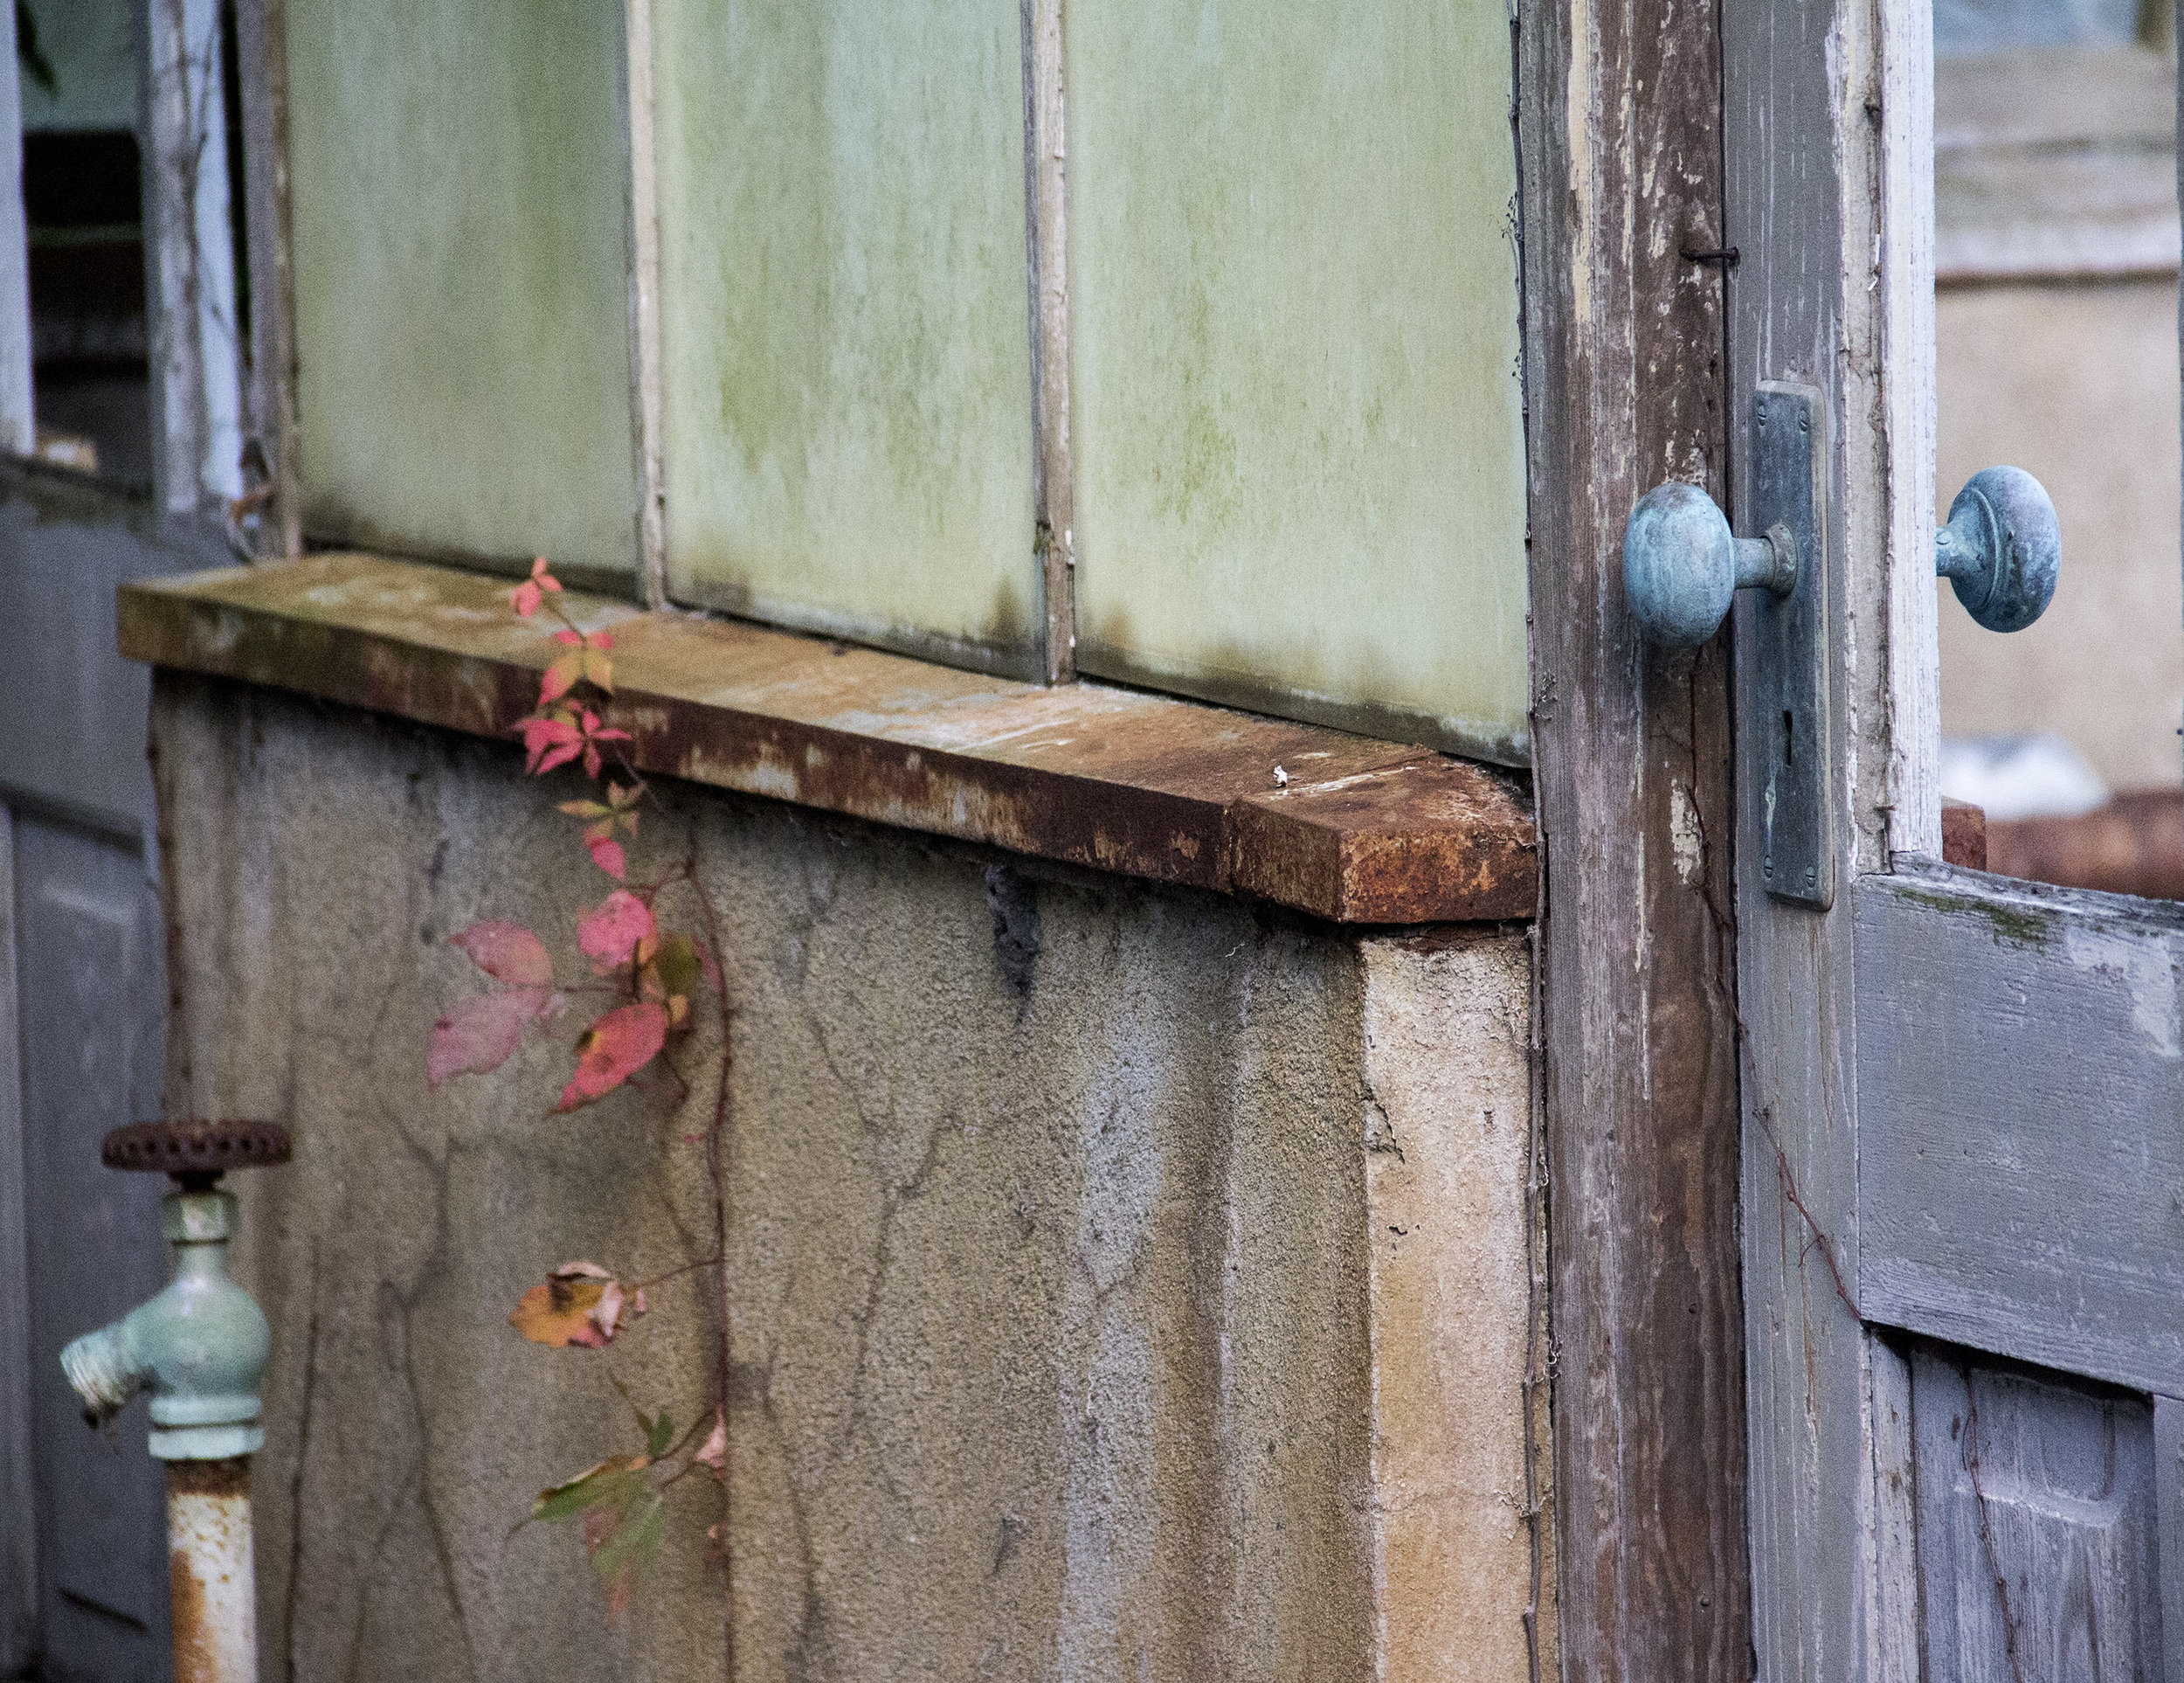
pixel 1619 115
pixel 18 435
pixel 262 58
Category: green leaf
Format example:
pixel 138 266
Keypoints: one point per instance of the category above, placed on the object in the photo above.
pixel 622 1557
pixel 675 966
pixel 616 1482
pixel 658 1436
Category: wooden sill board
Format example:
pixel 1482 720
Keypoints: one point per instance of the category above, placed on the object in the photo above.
pixel 1116 780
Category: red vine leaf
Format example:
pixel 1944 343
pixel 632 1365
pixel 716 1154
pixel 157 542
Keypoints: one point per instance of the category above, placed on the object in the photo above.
pixel 549 741
pixel 508 952
pixel 480 1033
pixel 580 1305
pixel 609 935
pixel 609 857
pixel 526 597
pixel 614 1048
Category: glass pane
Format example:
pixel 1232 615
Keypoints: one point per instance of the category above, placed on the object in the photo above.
pixel 1299 444
pixel 1968 26
pixel 2055 338
pixel 83 207
pixel 461 206
pixel 845 312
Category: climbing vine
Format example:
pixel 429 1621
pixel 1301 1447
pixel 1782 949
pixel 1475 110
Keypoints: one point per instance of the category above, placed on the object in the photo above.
pixel 642 979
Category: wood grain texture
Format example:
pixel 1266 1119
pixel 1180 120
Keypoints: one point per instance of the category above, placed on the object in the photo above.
pixel 2036 1525
pixel 1892 1561
pixel 262 60
pixel 15 430
pixel 1112 779
pixel 2021 1121
pixel 1046 209
pixel 1813 140
pixel 2168 1490
pixel 648 465
pixel 18 1487
pixel 197 358
pixel 1620 142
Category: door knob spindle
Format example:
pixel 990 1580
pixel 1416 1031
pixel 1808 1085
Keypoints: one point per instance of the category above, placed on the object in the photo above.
pixel 2001 552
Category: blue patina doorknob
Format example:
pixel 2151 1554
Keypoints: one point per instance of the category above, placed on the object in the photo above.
pixel 2001 551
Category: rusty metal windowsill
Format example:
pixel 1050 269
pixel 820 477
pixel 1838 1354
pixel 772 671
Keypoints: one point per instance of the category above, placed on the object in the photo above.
pixel 1365 832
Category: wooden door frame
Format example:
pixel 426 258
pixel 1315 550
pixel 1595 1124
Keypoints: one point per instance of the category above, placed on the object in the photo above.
pixel 1620 131
pixel 1650 137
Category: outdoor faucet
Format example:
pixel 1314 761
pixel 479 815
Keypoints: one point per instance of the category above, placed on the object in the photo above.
pixel 199 1347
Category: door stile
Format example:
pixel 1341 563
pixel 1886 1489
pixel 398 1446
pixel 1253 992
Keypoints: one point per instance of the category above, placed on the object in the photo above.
pixel 1620 138
pixel 18 1488
pixel 262 60
pixel 2169 1501
pixel 1827 150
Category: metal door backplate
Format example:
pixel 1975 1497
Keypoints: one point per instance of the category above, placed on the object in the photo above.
pixel 1789 647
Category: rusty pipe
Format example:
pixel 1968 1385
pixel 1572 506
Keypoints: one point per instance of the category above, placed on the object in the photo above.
pixel 210 1582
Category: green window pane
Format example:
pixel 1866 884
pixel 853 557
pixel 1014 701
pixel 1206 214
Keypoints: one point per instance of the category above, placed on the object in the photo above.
pixel 1298 438
pixel 460 180
pixel 846 378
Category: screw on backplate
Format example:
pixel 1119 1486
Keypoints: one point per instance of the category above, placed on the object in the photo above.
pixel 1812 874
pixel 1804 423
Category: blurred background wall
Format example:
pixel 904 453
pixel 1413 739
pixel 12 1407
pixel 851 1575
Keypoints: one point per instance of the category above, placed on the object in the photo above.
pixel 2056 257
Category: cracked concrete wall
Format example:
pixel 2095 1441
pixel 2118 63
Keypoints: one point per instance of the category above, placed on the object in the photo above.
pixel 1124 1283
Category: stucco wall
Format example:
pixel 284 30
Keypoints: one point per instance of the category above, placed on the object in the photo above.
pixel 1125 1282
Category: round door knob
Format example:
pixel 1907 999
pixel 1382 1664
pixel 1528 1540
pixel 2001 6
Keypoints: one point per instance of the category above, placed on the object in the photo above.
pixel 2001 548
pixel 1682 565
pixel 2001 551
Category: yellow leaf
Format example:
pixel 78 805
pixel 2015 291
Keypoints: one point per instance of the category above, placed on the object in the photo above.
pixel 580 1305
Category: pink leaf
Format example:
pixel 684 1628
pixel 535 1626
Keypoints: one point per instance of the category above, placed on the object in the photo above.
pixel 508 952
pixel 479 1034
pixel 549 742
pixel 614 1048
pixel 609 857
pixel 609 935
pixel 714 1452
pixel 525 599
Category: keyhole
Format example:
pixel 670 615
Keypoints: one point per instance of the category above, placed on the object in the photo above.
pixel 1789 738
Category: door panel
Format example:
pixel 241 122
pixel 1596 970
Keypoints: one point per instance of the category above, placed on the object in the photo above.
pixel 89 1000
pixel 2037 1525
pixel 88 959
pixel 64 550
pixel 2021 1120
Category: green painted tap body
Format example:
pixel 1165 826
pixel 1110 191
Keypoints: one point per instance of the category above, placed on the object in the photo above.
pixel 199 1347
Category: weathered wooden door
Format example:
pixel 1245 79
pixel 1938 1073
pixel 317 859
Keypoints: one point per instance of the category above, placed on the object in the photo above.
pixel 1963 1097
pixel 145 428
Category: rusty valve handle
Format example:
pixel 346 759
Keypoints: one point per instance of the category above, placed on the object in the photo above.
pixel 195 1152
pixel 2002 551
